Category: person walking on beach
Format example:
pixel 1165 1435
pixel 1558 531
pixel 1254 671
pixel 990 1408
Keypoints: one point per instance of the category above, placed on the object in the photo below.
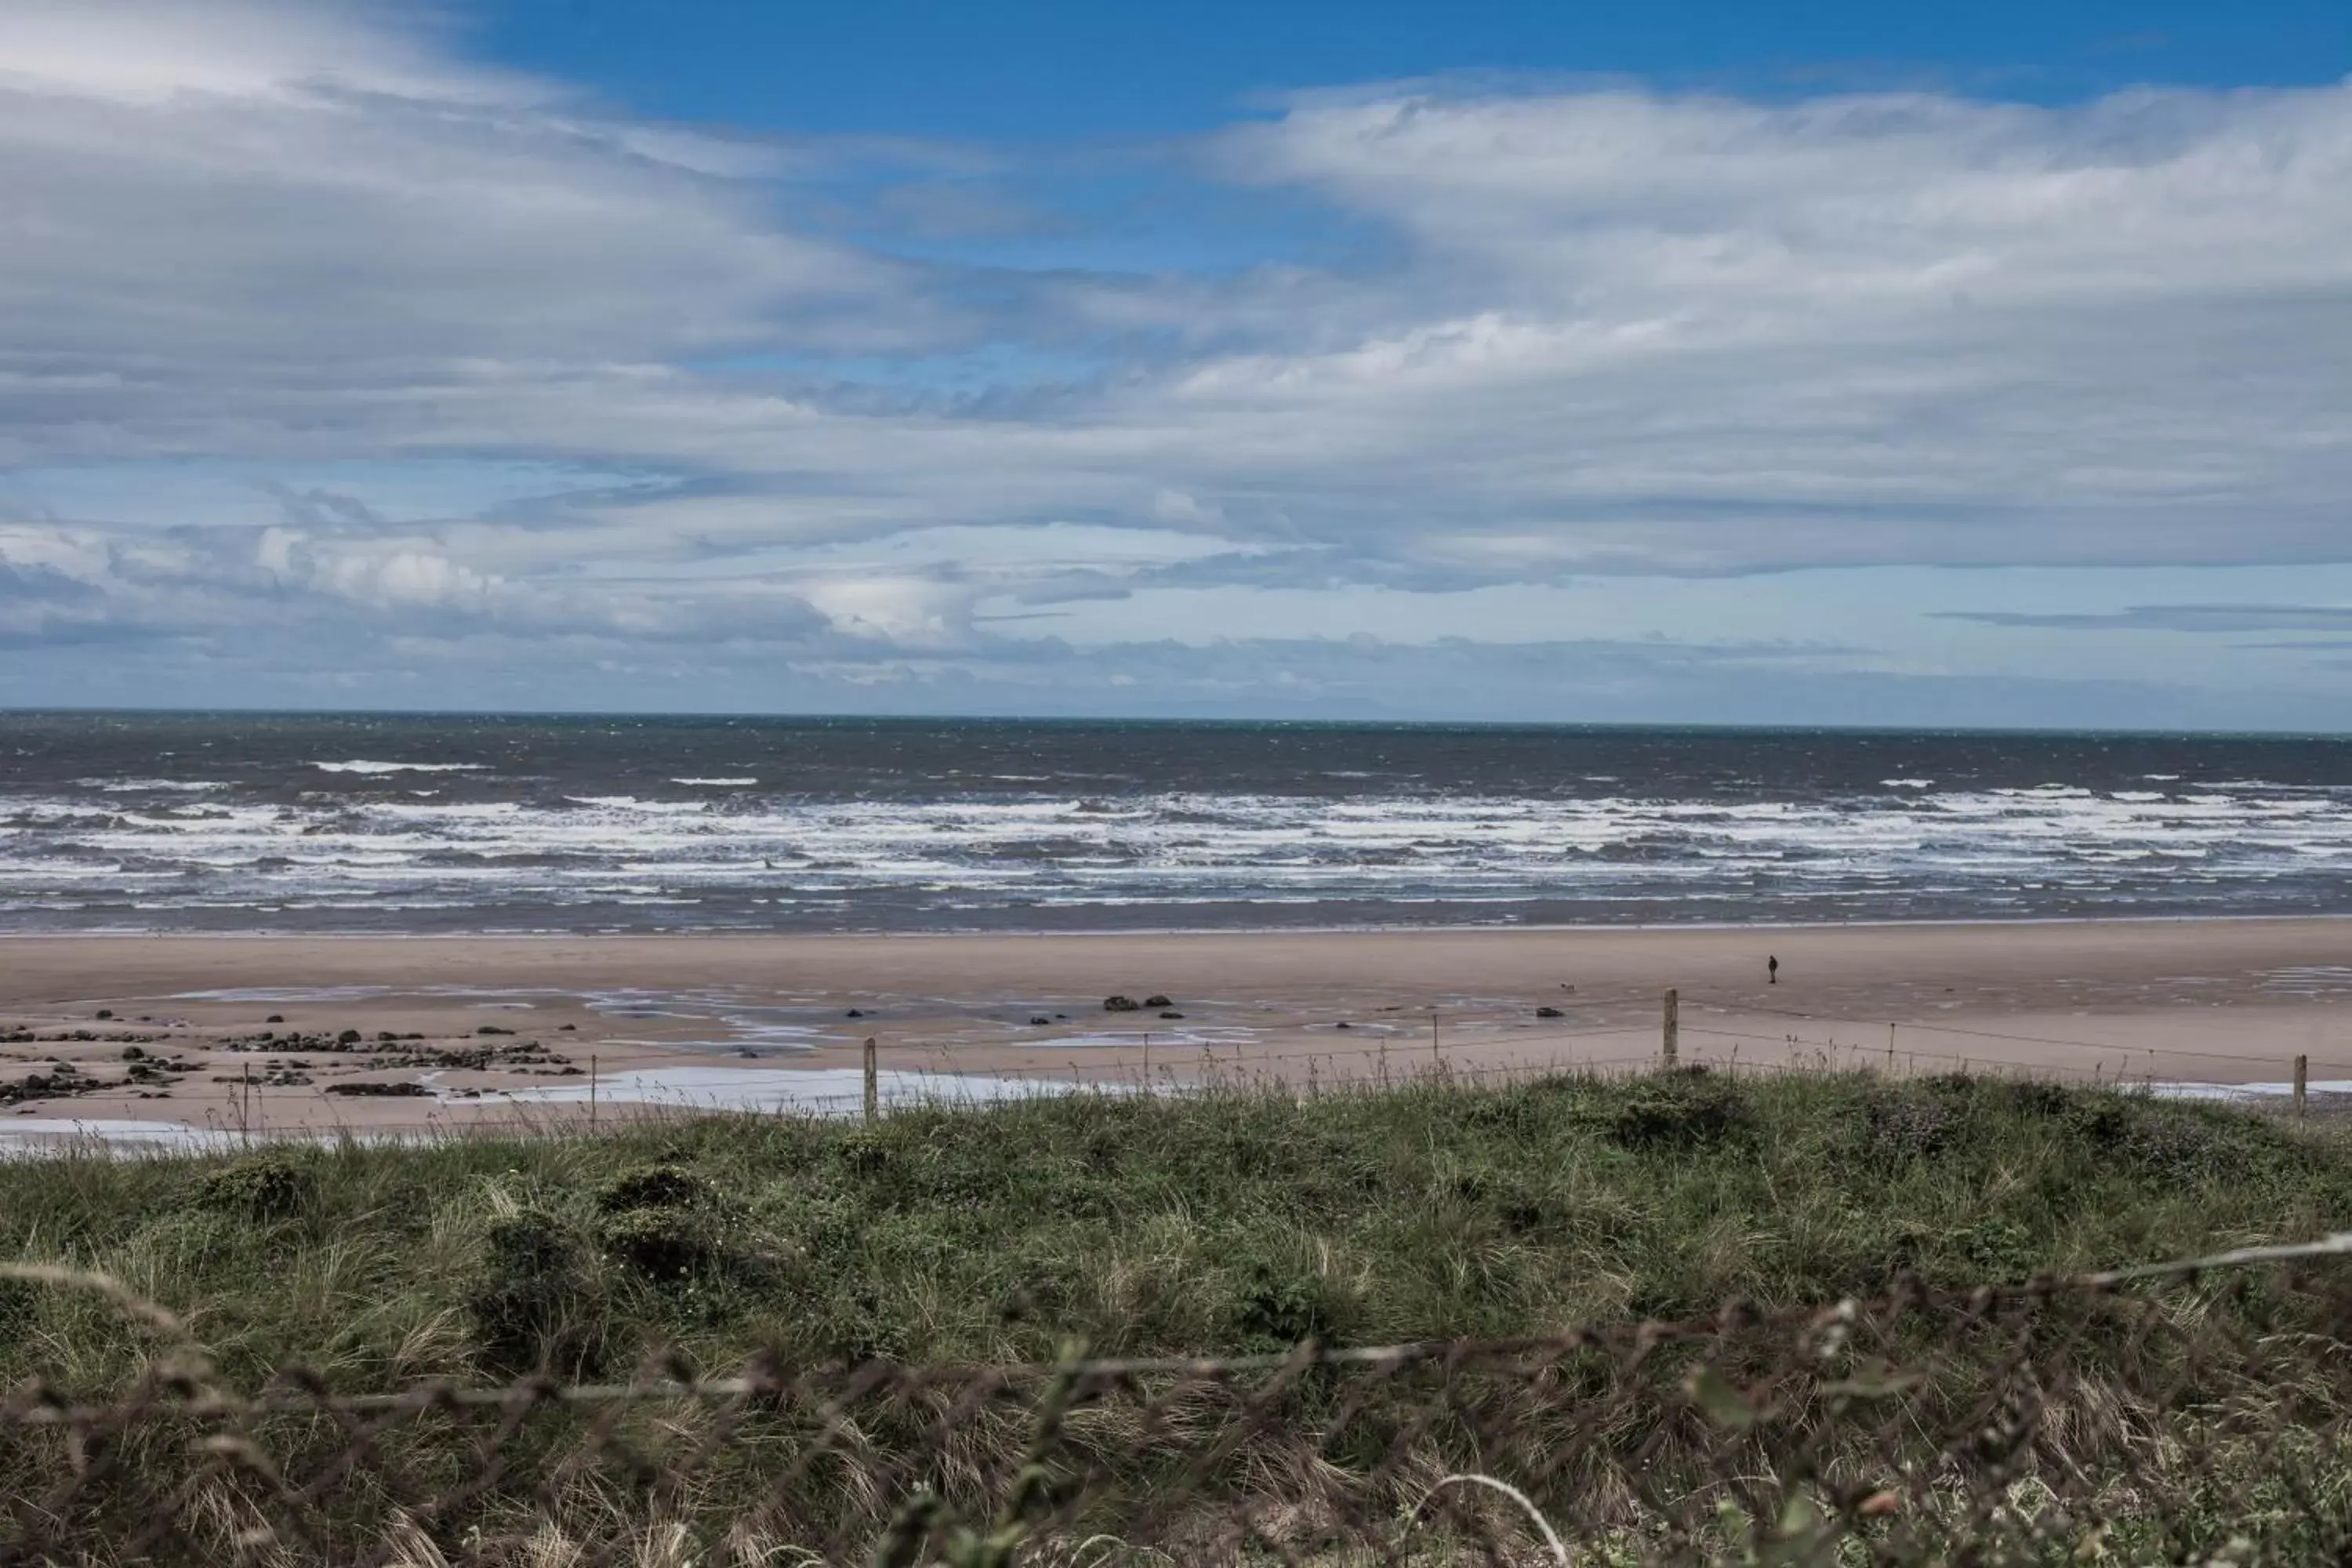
pixel 1772 969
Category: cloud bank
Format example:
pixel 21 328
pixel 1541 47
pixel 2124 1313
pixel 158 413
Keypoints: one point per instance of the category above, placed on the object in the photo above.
pixel 297 252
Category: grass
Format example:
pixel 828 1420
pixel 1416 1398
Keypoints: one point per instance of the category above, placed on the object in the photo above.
pixel 1242 1221
pixel 1237 1222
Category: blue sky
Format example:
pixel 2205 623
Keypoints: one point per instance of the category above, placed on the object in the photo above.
pixel 1065 70
pixel 1804 363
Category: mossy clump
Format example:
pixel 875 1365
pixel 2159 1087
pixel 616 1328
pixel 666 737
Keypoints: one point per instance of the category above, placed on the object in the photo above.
pixel 260 1187
pixel 1679 1111
pixel 667 1224
pixel 537 1304
pixel 664 1186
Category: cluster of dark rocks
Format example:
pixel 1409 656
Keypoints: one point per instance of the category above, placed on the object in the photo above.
pixel 151 1074
pixel 277 1075
pixel 80 1038
pixel 143 1066
pixel 63 1080
pixel 296 1040
pixel 1129 1005
pixel 151 1077
pixel 389 1052
pixel 528 1055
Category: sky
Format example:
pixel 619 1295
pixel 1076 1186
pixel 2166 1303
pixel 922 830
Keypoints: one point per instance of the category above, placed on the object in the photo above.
pixel 1714 363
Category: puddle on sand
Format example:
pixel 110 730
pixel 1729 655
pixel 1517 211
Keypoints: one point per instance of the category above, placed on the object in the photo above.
pixel 2310 980
pixel 2244 1091
pixel 820 1091
pixel 1159 1039
pixel 286 993
pixel 760 1027
pixel 825 1090
pixel 736 1024
pixel 47 1136
pixel 731 1022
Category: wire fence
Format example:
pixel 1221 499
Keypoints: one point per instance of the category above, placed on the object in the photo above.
pixel 1612 1034
pixel 2197 1411
pixel 2174 1060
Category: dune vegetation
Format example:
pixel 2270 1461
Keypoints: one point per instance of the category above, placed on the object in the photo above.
pixel 1237 1222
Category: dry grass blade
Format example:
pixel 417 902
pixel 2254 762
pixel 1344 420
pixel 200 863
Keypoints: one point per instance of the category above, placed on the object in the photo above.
pixel 129 1301
pixel 1378 1395
pixel 1527 1505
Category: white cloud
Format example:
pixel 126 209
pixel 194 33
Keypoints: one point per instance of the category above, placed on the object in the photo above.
pixel 406 577
pixel 1634 333
pixel 1603 333
pixel 151 51
pixel 268 230
pixel 1882 328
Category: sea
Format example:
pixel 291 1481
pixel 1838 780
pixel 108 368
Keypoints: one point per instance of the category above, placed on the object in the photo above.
pixel 369 822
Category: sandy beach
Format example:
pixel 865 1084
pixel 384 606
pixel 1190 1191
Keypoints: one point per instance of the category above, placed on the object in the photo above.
pixel 133 1037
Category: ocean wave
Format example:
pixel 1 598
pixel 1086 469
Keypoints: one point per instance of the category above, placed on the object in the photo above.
pixel 364 765
pixel 631 802
pixel 491 857
pixel 718 783
pixel 144 786
pixel 880 861
pixel 54 818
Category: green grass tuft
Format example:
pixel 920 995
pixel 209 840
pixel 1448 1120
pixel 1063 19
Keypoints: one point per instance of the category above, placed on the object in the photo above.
pixel 1140 1225
pixel 1239 1221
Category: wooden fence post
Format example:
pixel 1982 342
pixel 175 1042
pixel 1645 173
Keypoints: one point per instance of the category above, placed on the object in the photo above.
pixel 2302 1078
pixel 1673 1031
pixel 873 1083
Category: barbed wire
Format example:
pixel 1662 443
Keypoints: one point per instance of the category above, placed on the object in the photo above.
pixel 2166 1411
pixel 1743 1007
pixel 1304 1353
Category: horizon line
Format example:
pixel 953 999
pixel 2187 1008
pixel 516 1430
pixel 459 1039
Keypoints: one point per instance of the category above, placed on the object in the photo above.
pixel 1237 720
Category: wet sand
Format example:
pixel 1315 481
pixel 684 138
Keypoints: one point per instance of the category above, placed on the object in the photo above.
pixel 465 1031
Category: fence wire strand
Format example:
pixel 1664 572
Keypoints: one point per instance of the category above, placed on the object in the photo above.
pixel 2196 1409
